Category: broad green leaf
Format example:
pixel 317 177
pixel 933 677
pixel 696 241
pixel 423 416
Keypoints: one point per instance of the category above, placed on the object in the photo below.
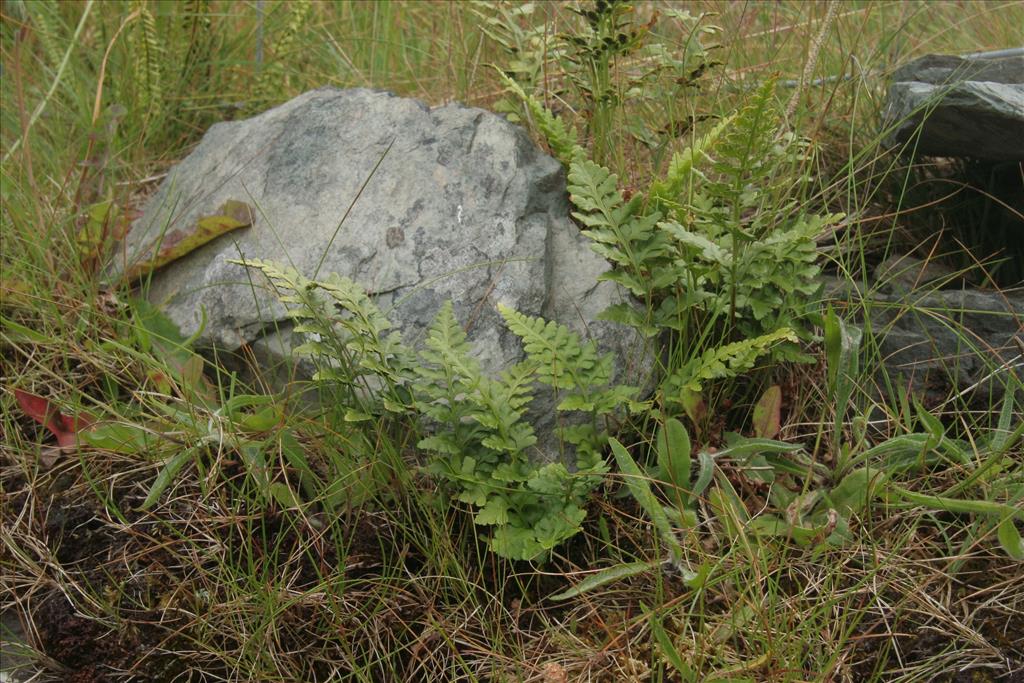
pixel 1001 435
pixel 673 454
pixel 852 494
pixel 757 468
pixel 640 488
pixel 251 453
pixel 262 420
pixel 727 504
pixel 605 576
pixel 932 425
pixel 296 457
pixel 669 651
pixel 240 402
pixel 742 447
pixel 120 437
pixel 704 474
pixel 283 495
pixel 1010 539
pixel 19 330
pixel 977 507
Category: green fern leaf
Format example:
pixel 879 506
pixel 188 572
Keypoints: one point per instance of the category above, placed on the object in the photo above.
pixel 149 59
pixel 664 193
pixel 725 361
pixel 561 360
pixel 562 139
pixel 516 543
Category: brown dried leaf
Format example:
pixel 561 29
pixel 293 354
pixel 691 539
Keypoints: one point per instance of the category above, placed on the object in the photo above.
pixel 768 413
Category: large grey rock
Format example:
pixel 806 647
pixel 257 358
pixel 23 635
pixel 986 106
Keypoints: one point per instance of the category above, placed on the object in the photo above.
pixel 463 206
pixel 971 107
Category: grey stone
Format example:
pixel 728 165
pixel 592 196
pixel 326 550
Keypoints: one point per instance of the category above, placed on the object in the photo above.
pixel 903 274
pixel 964 340
pixel 971 107
pixel 463 206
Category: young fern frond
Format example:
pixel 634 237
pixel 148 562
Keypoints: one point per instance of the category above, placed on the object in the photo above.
pixel 562 139
pixel 683 169
pixel 724 361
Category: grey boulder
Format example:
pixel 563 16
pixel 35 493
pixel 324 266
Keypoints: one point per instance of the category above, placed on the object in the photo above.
pixel 963 106
pixel 417 205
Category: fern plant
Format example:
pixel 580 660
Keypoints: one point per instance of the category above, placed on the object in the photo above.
pixel 272 78
pixel 717 251
pixel 346 337
pixel 149 52
pixel 477 432
pixel 624 79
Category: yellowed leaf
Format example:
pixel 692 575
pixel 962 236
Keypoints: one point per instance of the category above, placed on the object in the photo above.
pixel 177 243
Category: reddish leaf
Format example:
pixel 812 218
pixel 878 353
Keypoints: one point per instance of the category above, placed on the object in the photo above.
pixel 62 426
pixel 40 410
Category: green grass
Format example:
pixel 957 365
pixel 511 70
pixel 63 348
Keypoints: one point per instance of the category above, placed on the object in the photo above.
pixel 217 580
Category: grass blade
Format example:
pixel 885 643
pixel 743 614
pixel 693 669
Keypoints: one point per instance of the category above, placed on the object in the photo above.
pixel 616 573
pixel 640 488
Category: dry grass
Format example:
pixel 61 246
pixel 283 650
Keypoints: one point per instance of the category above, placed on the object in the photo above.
pixel 212 585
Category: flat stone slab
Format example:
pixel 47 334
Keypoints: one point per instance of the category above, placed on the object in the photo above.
pixel 963 107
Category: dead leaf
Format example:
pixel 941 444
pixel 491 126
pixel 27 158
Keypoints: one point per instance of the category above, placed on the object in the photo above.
pixel 49 455
pixel 177 243
pixel 693 406
pixel 553 672
pixel 768 413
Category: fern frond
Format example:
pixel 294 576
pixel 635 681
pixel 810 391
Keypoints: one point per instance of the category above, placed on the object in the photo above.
pixel 271 81
pixel 724 361
pixel 562 361
pixel 750 130
pixel 627 239
pixel 194 47
pixel 45 15
pixel 664 194
pixel 446 347
pixel 282 277
pixel 562 139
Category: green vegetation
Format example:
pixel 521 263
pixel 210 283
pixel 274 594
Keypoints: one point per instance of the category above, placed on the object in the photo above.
pixel 776 509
